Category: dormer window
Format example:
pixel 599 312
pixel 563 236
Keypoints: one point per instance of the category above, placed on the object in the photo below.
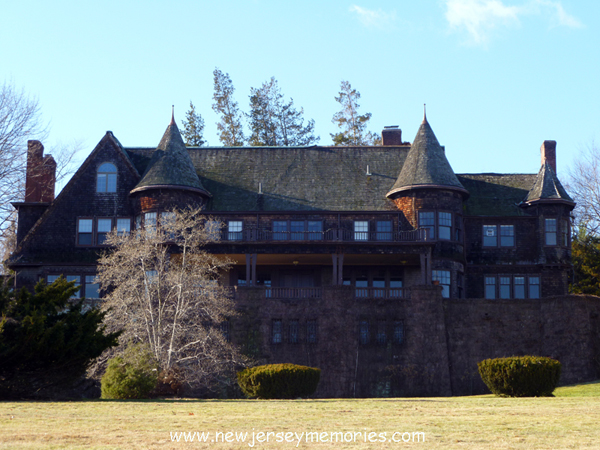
pixel 107 178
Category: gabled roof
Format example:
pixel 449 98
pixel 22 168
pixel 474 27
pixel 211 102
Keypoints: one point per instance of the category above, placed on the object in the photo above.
pixel 547 188
pixel 170 166
pixel 426 165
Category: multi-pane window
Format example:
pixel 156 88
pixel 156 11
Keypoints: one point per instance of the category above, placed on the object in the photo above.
pixel 92 287
pixel 234 230
pixel 507 235
pixel 150 222
pixel 565 232
pixel 427 221
pixel 398 332
pixel 104 227
pixel 363 332
pixel 519 287
pixel 107 178
pixel 490 287
pixel 123 226
pixel 534 287
pixel 443 278
pixel 76 278
pixel 445 225
pixel 276 332
pixel 311 331
pixel 516 286
pixel 297 229
pixel 490 236
pixel 361 230
pixel 504 287
pixel 315 230
pixel 550 231
pixel 84 231
pixel 294 331
pixel 384 230
pixel 381 332
pixel 280 230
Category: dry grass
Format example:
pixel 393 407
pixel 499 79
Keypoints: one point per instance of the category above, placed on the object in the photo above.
pixel 482 422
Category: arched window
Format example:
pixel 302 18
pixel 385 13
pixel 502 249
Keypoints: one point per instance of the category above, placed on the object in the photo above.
pixel 107 178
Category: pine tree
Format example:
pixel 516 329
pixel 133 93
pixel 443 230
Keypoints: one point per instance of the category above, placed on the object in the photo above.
pixel 193 127
pixel 353 125
pixel 230 126
pixel 275 122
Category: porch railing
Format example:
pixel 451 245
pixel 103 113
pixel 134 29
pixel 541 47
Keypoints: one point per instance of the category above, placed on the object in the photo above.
pixel 330 235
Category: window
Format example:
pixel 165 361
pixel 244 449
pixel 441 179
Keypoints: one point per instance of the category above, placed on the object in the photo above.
pixel 84 231
pixel 398 332
pixel 76 278
pixel 294 334
pixel 315 230
pixel 276 332
pixel 92 287
pixel 445 225
pixel 396 287
pixel 224 326
pixel 362 287
pixel 381 334
pixel 123 226
pixel 150 222
pixel 103 228
pixel 550 229
pixel 378 287
pixel 364 332
pixel 504 287
pixel 361 230
pixel 384 230
pixel 534 287
pixel 490 287
pixel 443 277
pixel 297 228
pixel 280 230
pixel 490 236
pixel 458 228
pixel 107 178
pixel 427 221
pixel 234 230
pixel 507 235
pixel 213 230
pixel 565 232
pixel 311 332
pixel 519 287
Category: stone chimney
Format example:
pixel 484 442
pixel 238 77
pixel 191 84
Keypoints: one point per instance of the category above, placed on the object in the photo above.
pixel 548 151
pixel 391 135
pixel 41 174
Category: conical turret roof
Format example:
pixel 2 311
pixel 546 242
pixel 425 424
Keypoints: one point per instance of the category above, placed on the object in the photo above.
pixel 171 165
pixel 547 187
pixel 426 165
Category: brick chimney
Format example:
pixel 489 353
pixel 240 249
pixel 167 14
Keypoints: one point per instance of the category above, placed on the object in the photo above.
pixel 41 174
pixel 548 151
pixel 391 135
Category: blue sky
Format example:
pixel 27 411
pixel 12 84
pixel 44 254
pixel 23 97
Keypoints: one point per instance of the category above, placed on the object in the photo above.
pixel 498 76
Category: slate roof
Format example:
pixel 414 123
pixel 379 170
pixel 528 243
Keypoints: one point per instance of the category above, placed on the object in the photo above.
pixel 426 165
pixel 547 187
pixel 170 165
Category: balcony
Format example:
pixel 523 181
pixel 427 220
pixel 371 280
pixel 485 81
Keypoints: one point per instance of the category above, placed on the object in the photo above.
pixel 301 293
pixel 331 235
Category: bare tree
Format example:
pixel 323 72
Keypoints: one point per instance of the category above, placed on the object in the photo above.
pixel 162 288
pixel 584 186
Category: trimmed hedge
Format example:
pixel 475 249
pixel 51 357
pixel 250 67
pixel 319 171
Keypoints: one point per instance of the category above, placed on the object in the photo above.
pixel 279 381
pixel 520 376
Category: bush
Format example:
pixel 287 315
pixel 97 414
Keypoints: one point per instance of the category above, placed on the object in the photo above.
pixel 132 375
pixel 279 381
pixel 520 376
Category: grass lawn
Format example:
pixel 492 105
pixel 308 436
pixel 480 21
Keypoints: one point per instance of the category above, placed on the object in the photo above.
pixel 569 420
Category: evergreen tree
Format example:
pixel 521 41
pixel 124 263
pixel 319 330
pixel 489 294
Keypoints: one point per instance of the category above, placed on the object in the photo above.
pixel 353 125
pixel 46 340
pixel 231 133
pixel 193 127
pixel 275 122
pixel 585 251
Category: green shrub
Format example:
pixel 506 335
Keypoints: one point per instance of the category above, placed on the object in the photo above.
pixel 279 381
pixel 132 375
pixel 520 376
